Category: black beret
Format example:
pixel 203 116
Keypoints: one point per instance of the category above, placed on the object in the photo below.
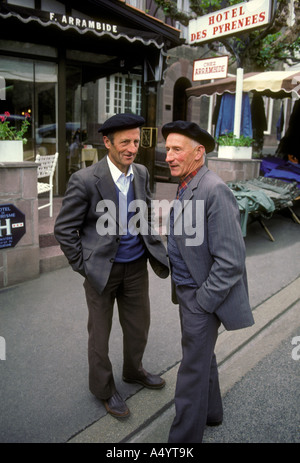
pixel 121 121
pixel 191 130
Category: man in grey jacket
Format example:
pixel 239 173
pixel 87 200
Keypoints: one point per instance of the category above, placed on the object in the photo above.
pixel 94 233
pixel 207 256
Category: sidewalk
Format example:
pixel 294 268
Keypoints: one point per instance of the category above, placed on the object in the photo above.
pixel 44 379
pixel 277 321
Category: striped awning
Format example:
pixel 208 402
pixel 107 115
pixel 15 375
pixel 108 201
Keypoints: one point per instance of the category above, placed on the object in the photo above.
pixel 275 84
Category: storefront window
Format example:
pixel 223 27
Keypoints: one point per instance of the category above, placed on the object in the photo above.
pixel 31 87
pixel 85 111
pixel 73 118
pixel 123 94
pixel 82 125
pixel 45 107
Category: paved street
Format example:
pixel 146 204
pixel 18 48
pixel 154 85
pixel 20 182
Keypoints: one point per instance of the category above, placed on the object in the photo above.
pixel 43 381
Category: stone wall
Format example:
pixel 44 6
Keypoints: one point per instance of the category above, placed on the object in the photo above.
pixel 234 170
pixel 18 187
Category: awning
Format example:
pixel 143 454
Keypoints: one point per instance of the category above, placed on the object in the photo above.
pixel 274 84
pixel 82 25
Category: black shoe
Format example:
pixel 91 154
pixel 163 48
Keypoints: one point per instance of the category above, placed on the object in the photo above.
pixel 214 423
pixel 147 380
pixel 116 406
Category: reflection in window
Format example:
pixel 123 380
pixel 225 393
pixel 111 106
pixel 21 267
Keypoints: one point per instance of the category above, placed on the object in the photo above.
pixel 30 87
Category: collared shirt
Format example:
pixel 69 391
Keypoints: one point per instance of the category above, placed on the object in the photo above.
pixel 131 246
pixel 180 273
pixel 120 179
pixel 182 186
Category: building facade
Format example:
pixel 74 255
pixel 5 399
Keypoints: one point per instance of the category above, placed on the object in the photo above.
pixel 72 67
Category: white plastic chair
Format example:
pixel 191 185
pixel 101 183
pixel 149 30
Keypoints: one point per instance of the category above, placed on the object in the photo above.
pixel 46 168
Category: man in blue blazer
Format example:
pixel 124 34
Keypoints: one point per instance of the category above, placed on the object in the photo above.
pixel 207 257
pixel 94 232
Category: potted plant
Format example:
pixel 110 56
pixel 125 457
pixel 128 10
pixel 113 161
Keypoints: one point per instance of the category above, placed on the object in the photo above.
pixel 231 147
pixel 12 139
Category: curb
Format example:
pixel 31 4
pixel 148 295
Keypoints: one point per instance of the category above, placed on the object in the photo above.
pixel 237 353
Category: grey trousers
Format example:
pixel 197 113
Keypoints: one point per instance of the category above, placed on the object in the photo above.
pixel 197 396
pixel 128 285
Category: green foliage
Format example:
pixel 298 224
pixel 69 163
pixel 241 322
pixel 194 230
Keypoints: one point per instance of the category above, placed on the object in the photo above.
pixel 272 51
pixel 229 139
pixel 256 49
pixel 9 132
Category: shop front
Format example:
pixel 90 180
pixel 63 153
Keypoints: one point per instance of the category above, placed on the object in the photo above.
pixel 70 68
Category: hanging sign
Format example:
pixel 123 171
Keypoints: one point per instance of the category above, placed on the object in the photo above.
pixel 230 21
pixel 12 225
pixel 210 68
pixel 148 137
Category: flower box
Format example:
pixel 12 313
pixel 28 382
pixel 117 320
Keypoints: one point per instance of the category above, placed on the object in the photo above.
pixel 11 151
pixel 12 138
pixel 235 152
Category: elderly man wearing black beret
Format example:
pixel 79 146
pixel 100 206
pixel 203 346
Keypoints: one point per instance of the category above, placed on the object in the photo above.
pixel 113 258
pixel 208 276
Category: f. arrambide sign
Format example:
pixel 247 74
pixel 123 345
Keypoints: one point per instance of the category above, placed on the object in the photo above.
pixel 229 21
pixel 82 23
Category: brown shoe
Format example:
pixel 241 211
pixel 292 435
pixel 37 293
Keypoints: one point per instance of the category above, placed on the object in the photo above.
pixel 148 380
pixel 116 406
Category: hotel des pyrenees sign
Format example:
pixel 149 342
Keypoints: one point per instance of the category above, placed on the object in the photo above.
pixel 230 21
